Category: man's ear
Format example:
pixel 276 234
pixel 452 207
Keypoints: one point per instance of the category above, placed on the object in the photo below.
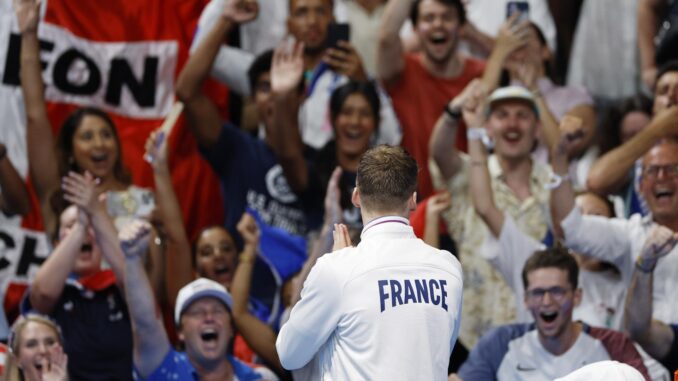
pixel 355 197
pixel 577 297
pixel 412 202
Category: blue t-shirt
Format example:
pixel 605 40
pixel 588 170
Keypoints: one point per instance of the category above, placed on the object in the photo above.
pixel 251 176
pixel 176 367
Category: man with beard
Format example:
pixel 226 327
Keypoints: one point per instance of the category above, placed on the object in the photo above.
pixel 421 84
pixel 554 345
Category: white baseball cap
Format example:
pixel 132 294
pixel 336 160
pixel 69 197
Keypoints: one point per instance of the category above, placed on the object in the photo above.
pixel 512 93
pixel 200 288
pixel 603 371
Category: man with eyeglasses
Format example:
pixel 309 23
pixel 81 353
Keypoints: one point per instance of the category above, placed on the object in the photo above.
pixel 620 241
pixel 554 345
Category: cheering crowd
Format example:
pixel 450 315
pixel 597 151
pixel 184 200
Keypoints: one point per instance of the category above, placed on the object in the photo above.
pixel 539 167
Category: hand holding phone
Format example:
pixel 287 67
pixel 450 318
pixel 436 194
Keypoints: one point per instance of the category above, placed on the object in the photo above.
pixel 521 7
pixel 337 32
pixel 341 56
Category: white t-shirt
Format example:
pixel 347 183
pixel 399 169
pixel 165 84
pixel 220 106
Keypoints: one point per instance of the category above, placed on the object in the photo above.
pixel 603 293
pixel 387 309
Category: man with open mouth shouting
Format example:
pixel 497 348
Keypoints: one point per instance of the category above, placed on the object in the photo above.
pixel 202 315
pixel 554 345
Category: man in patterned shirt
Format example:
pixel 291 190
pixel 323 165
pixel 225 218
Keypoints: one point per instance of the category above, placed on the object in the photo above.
pixel 518 184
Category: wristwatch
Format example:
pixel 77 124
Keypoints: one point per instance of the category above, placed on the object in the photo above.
pixel 453 113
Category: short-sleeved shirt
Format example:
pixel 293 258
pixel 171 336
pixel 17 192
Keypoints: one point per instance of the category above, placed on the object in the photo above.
pixel 177 367
pixel 514 352
pixel 418 99
pixel 488 299
pixel 251 176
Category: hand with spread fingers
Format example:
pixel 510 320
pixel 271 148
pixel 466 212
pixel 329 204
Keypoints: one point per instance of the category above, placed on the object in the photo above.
pixel 80 189
pixel 512 35
pixel 241 11
pixel 346 60
pixel 287 68
pixel 658 243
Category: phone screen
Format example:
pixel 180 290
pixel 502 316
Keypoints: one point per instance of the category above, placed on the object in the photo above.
pixel 522 7
pixel 337 32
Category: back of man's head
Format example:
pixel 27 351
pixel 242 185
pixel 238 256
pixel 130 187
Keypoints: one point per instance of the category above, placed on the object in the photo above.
pixel 386 179
pixel 556 257
pixel 414 12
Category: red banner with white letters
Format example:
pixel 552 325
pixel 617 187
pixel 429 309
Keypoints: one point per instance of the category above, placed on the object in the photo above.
pixel 121 56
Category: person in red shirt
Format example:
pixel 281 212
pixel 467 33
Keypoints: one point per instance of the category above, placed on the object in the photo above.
pixel 421 84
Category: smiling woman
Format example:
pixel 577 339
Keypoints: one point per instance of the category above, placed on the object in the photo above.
pixel 87 140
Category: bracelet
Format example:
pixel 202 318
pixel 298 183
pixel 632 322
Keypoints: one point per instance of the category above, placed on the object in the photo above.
pixel 556 180
pixel 452 113
pixel 643 268
pixel 476 133
pixel 246 258
pixel 479 133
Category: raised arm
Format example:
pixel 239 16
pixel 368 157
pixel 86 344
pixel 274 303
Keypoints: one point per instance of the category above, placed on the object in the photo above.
pixel 562 199
pixel 610 171
pixel 435 205
pixel 390 60
pixel 81 191
pixel 50 279
pixel 259 335
pixel 511 36
pixel 43 168
pixel 286 74
pixel 479 174
pixel 323 244
pixel 442 142
pixel 150 339
pixel 654 336
pixel 202 113
pixel 528 74
pixel 648 24
pixel 14 199
pixel 178 267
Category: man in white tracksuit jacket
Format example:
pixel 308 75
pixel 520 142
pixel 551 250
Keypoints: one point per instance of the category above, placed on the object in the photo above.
pixel 387 309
